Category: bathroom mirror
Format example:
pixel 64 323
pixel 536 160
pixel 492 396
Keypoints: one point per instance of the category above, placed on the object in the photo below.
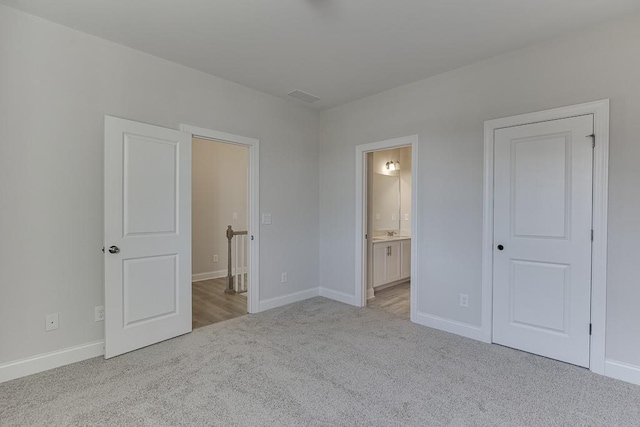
pixel 386 202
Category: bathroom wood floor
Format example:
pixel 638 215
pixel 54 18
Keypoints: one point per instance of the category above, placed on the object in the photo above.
pixel 395 299
pixel 212 305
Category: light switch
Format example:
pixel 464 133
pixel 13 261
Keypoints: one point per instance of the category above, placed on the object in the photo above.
pixel 266 218
pixel 406 217
pixel 235 215
pixel 377 216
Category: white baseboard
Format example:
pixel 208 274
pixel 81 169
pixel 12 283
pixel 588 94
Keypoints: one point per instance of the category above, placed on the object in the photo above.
pixel 270 303
pixel 371 294
pixel 451 326
pixel 338 296
pixel 622 371
pixel 208 275
pixel 46 361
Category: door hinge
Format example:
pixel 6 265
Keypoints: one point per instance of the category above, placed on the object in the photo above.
pixel 593 140
pixel 592 235
pixel 590 328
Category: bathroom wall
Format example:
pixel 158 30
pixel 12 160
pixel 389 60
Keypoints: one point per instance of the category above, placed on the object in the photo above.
pixel 403 155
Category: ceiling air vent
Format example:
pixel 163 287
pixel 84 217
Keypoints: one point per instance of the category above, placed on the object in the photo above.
pixel 303 96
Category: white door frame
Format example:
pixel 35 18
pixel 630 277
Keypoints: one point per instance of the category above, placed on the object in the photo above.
pixel 253 290
pixel 361 209
pixel 600 111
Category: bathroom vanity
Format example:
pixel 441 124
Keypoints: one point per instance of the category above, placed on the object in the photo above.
pixel 391 260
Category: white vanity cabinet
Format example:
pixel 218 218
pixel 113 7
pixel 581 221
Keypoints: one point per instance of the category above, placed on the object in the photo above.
pixel 390 264
pixel 405 258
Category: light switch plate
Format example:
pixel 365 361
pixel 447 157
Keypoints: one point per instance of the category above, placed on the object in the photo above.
pixel 266 218
pixel 406 217
pixel 235 215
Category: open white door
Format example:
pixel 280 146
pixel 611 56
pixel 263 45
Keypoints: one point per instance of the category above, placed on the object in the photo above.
pixel 147 232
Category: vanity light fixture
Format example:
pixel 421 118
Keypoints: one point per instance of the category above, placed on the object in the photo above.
pixel 393 166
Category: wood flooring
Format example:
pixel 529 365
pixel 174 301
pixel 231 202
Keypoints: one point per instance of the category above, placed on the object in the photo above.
pixel 395 299
pixel 212 305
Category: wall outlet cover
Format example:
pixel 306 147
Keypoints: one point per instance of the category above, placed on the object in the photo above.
pixel 215 258
pixel 266 218
pixel 98 313
pixel 464 300
pixel 285 278
pixel 51 322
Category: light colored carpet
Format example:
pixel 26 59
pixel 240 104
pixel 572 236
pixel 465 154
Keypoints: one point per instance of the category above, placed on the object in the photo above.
pixel 320 362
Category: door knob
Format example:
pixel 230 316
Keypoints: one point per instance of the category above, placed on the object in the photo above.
pixel 114 250
pixel 500 247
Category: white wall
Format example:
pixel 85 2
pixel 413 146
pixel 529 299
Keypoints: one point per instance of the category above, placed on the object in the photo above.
pixel 219 189
pixel 56 85
pixel 448 111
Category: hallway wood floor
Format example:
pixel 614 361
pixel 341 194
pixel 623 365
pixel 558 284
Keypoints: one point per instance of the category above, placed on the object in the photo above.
pixel 212 305
pixel 395 299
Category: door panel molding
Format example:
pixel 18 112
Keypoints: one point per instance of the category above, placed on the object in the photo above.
pixel 600 112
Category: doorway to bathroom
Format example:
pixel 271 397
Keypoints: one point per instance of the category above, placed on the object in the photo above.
pixel 385 224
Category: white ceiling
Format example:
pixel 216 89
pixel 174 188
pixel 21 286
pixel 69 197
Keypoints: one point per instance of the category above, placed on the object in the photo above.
pixel 338 50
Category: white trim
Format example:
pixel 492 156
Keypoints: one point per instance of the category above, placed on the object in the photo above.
pixel 622 371
pixel 338 296
pixel 253 290
pixel 360 242
pixel 208 275
pixel 600 111
pixel 448 325
pixel 46 361
pixel 270 303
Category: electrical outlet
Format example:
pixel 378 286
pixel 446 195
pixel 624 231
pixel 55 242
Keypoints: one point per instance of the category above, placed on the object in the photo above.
pixel 285 278
pixel 215 258
pixel 266 218
pixel 464 300
pixel 98 315
pixel 51 322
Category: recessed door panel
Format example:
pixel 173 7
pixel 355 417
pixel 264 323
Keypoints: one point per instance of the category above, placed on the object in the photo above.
pixel 150 185
pixel 540 186
pixel 539 295
pixel 149 278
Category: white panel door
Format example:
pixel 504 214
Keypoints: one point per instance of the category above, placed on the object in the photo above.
pixel 147 215
pixel 542 238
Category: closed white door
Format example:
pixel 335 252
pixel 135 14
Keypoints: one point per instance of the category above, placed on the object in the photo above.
pixel 542 238
pixel 147 216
